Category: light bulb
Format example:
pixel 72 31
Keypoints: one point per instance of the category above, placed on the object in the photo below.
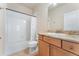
pixel 54 4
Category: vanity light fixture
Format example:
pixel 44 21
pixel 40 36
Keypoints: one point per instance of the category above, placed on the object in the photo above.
pixel 54 3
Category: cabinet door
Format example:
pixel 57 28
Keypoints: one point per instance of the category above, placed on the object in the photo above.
pixel 55 51
pixel 71 46
pixel 43 48
pixel 52 41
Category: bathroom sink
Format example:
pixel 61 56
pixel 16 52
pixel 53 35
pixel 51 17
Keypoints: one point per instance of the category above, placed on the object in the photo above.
pixel 62 35
pixel 57 34
pixel 73 36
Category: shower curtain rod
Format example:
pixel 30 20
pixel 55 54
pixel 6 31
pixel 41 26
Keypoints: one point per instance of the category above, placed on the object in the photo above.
pixel 19 12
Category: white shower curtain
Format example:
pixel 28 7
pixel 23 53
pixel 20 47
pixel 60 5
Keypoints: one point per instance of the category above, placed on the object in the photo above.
pixel 17 31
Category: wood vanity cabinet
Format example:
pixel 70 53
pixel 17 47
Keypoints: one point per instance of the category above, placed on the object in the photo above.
pixel 43 48
pixel 55 51
pixel 52 41
pixel 40 37
pixel 70 46
pixel 49 46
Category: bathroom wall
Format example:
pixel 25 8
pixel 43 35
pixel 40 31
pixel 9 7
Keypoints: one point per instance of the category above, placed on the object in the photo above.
pixel 42 17
pixel 56 15
pixel 2 30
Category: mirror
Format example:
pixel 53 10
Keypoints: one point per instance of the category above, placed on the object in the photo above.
pixel 71 21
pixel 63 17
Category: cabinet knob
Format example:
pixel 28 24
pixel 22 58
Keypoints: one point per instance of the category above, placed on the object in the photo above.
pixel 71 47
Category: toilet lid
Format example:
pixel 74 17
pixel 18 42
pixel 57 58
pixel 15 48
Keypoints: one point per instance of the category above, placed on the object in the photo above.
pixel 32 42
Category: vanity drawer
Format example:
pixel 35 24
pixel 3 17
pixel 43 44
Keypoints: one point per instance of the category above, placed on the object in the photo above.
pixel 70 46
pixel 53 41
pixel 55 51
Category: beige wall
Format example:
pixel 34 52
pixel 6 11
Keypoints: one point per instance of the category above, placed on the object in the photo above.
pixel 56 15
pixel 42 17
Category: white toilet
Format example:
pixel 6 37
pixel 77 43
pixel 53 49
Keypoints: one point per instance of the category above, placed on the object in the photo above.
pixel 32 45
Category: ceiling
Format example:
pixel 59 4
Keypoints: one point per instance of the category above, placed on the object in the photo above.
pixel 30 5
pixel 34 5
pixel 57 4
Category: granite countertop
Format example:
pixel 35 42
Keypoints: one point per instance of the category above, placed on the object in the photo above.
pixel 67 37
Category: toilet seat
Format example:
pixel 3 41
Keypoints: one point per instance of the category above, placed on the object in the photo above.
pixel 32 43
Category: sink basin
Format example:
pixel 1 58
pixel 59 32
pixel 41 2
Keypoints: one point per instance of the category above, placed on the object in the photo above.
pixel 57 34
pixel 73 36
pixel 63 35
